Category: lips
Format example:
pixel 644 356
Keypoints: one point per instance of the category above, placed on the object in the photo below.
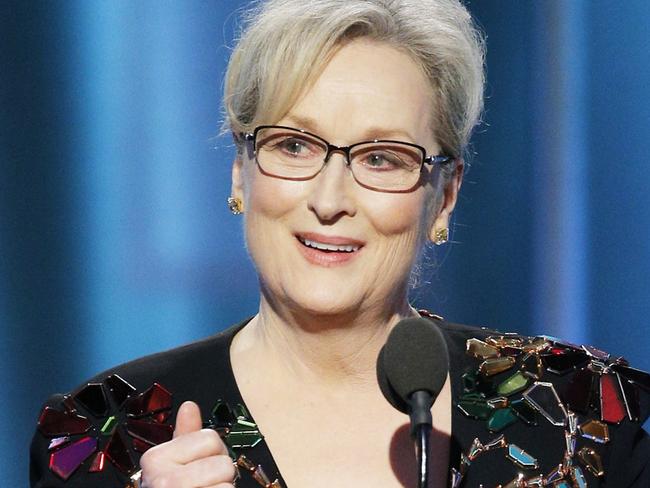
pixel 328 250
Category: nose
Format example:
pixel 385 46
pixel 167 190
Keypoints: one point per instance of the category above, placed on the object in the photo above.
pixel 332 191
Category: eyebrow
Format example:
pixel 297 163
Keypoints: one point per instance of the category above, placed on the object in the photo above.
pixel 311 125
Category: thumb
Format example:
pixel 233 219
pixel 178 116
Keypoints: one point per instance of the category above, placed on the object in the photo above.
pixel 188 419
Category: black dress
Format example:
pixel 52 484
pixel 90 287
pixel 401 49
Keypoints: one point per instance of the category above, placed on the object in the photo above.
pixel 526 412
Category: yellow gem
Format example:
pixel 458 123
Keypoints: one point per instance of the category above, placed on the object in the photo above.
pixel 481 350
pixel 493 366
pixel 592 461
pixel 595 430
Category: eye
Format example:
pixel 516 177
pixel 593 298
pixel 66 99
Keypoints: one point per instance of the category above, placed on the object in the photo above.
pixel 294 147
pixel 382 161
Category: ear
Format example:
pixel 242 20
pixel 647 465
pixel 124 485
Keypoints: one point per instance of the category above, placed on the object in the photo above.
pixel 237 184
pixel 449 197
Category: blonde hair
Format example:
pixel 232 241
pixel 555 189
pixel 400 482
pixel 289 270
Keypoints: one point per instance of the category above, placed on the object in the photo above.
pixel 285 44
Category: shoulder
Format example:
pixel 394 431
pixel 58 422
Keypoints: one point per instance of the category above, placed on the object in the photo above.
pixel 95 434
pixel 543 410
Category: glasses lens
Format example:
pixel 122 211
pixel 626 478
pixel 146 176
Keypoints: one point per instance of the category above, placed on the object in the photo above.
pixel 289 153
pixel 387 165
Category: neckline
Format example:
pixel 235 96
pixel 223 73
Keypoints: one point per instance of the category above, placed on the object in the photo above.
pixel 264 456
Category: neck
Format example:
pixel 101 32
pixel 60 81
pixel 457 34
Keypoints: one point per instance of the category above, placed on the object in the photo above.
pixel 329 349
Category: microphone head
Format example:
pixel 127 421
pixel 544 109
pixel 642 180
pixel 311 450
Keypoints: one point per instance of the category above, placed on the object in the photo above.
pixel 414 358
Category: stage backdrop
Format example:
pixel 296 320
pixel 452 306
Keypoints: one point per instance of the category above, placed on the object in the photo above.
pixel 115 240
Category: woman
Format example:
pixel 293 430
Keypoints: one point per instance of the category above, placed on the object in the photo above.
pixel 350 120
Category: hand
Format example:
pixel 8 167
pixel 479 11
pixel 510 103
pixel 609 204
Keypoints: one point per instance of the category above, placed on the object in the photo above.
pixel 195 457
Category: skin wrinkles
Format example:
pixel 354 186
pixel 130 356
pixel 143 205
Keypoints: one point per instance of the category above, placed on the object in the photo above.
pixel 320 327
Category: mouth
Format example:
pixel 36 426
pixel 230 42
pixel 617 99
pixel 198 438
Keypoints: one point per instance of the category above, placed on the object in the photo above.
pixel 322 246
pixel 328 250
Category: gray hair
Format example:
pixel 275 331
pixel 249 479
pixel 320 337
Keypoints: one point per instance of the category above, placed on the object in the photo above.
pixel 285 45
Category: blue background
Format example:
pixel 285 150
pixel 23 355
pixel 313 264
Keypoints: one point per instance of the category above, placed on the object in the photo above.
pixel 115 240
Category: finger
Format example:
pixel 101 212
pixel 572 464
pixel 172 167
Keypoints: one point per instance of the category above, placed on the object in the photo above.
pixel 188 419
pixel 190 447
pixel 213 470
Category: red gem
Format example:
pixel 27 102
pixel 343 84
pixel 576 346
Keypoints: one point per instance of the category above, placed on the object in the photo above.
pixel 98 463
pixel 55 423
pixel 118 453
pixel 152 401
pixel 612 409
pixel 150 432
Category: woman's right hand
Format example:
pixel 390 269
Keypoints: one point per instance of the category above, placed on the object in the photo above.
pixel 195 457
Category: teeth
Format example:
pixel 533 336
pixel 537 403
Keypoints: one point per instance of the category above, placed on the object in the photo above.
pixel 329 247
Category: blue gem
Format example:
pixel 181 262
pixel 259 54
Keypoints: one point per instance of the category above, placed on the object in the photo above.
pixel 521 458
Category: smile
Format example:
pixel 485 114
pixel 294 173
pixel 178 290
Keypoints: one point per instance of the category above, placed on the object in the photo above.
pixel 321 246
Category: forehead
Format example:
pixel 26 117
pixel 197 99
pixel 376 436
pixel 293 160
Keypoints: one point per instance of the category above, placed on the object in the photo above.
pixel 367 90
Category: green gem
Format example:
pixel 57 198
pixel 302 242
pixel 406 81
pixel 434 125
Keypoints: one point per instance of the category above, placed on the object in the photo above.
pixel 501 419
pixel 243 438
pixel 241 412
pixel 470 382
pixel 109 425
pixel 524 411
pixel 474 405
pixel 515 383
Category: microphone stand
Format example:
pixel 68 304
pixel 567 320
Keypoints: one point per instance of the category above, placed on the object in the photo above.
pixel 421 426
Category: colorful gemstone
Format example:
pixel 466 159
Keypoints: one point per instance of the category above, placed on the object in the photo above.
pixel 501 419
pixel 245 463
pixel 475 406
pixel 456 478
pixel 595 430
pixel 153 400
pixel 570 444
pixel 140 445
pixel 55 423
pixel 543 397
pixel 596 353
pixel 535 482
pixel 636 376
pixel 498 402
pixel 97 465
pixel 511 341
pixel 524 411
pixel 592 461
pixel 520 457
pixel 536 345
pixel 150 432
pixel 120 389
pixel 531 365
pixel 572 423
pixel 578 477
pixel 513 384
pixel 479 349
pixel 496 443
pixel 109 426
pixel 475 449
pixel 493 366
pixel 223 414
pixel 562 484
pixel 612 408
pixel 465 463
pixel 93 399
pixel 58 442
pixel 555 475
pixel 66 460
pixel 260 476
pixel 567 360
pixel 580 391
pixel 630 398
pixel 118 453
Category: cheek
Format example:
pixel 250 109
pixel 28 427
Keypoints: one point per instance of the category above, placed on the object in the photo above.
pixel 397 214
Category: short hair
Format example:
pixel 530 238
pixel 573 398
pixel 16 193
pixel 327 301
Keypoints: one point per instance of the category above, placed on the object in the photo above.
pixel 285 44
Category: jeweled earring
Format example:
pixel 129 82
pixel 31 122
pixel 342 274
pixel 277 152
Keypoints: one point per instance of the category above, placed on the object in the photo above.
pixel 441 236
pixel 235 205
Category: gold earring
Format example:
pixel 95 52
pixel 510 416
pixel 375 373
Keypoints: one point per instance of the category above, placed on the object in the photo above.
pixel 441 236
pixel 235 205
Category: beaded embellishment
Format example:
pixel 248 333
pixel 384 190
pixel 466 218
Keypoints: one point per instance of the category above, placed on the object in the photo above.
pixel 507 387
pixel 102 420
pixel 238 431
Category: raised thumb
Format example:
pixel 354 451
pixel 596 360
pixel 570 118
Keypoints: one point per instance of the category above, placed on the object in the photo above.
pixel 188 419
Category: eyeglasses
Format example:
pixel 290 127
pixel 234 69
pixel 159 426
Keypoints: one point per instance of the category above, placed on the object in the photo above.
pixel 382 165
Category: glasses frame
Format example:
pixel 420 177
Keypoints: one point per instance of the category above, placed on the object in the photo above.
pixel 251 139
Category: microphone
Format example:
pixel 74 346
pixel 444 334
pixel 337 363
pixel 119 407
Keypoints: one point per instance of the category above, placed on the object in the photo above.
pixel 412 368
